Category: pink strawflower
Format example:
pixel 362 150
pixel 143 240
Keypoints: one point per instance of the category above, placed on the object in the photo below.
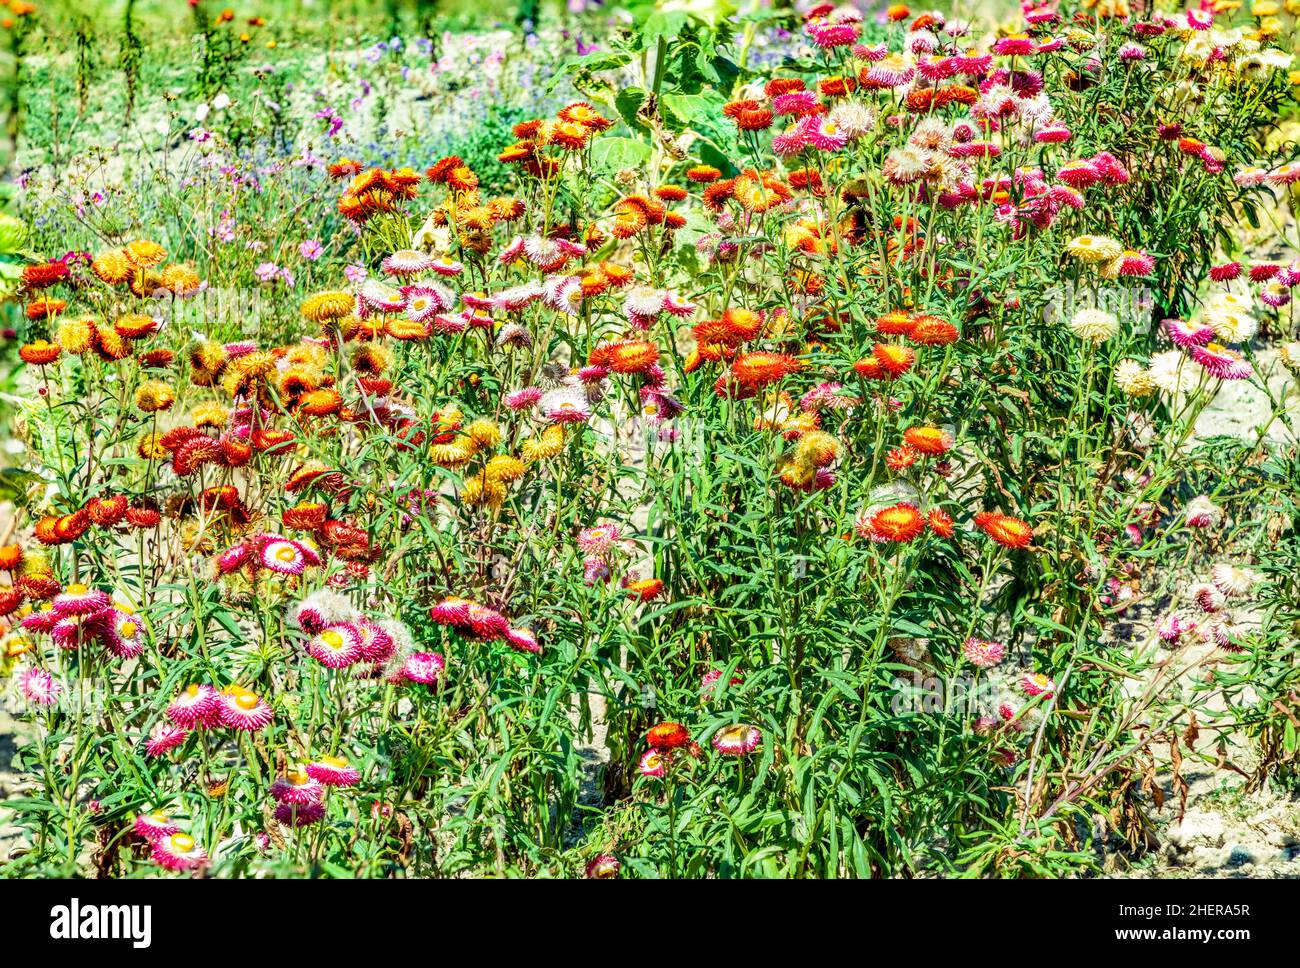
pixel 333 771
pixel 77 600
pixel 164 738
pixel 565 405
pixel 1207 597
pixel 523 640
pixel 39 687
pixel 599 539
pixel 652 764
pixel 1037 684
pixel 1171 628
pixel 244 710
pixel 709 683
pixel 982 653
pixel 197 707
pixel 737 740
pixel 424 302
pixel 1201 512
pixel 425 668
pixel 406 263
pixel 178 852
pixel 154 826
pixel 297 787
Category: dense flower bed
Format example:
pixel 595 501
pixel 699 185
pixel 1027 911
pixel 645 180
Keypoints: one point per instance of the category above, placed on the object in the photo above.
pixel 814 438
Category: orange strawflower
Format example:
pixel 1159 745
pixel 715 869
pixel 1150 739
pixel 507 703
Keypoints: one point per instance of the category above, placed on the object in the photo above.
pixel 1005 530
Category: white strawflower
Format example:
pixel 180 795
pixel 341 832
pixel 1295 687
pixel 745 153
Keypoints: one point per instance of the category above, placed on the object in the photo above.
pixel 1094 325
pixel 855 119
pixel 1230 316
pixel 1172 372
pixel 1133 379
pixel 1232 580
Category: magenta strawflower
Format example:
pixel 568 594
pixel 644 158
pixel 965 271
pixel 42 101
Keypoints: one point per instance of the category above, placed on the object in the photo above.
pixel 603 868
pixel 197 707
pixel 737 740
pixel 286 556
pixel 523 398
pixel 336 646
pixel 523 640
pixel 178 852
pixel 39 687
pixel 297 787
pixel 154 826
pixel 164 738
pixel 1187 335
pixel 244 710
pixel 1221 362
pixel 376 642
pixel 333 771
pixel 122 632
pixel 299 815
pixel 486 623
pixel 451 611
pixel 424 668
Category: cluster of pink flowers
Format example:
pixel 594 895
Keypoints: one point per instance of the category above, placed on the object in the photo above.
pixel 483 624
pixel 1210 599
pixel 79 615
pixel 300 793
pixel 204 707
pixel 170 848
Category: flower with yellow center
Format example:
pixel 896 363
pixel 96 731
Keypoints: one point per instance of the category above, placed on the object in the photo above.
pixel 1094 248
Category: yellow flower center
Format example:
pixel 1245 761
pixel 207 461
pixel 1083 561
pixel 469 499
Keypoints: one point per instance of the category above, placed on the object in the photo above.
pixel 333 639
pixel 76 589
pixel 246 700
pixel 182 842
pixel 286 554
pixel 128 629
